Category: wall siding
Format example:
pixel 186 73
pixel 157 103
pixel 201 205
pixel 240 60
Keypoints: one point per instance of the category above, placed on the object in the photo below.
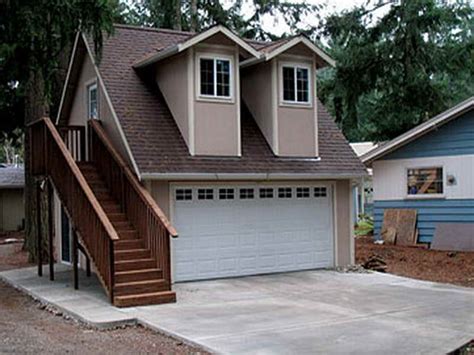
pixel 430 213
pixel 453 138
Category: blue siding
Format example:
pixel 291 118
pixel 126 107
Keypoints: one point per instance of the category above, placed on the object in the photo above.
pixel 430 213
pixel 453 138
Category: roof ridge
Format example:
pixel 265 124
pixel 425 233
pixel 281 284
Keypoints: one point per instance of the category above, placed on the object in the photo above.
pixel 153 29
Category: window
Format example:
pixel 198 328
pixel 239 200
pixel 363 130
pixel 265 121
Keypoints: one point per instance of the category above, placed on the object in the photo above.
pixel 302 192
pixel 246 194
pixel 425 181
pixel 320 192
pixel 184 194
pixel 215 74
pixel 266 193
pixel 284 192
pixel 226 194
pixel 296 84
pixel 205 194
pixel 92 102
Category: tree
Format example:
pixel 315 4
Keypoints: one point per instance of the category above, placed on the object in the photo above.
pixel 36 38
pixel 395 72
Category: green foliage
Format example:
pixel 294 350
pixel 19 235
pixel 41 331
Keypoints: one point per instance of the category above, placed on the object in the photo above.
pixel 365 226
pixel 395 72
pixel 11 151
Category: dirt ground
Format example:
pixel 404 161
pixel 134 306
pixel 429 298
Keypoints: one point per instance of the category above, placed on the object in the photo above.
pixel 424 264
pixel 27 327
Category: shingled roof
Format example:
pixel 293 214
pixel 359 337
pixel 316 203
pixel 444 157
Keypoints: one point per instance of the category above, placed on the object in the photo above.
pixel 11 177
pixel 154 138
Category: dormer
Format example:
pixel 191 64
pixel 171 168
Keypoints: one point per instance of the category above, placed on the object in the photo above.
pixel 200 81
pixel 279 89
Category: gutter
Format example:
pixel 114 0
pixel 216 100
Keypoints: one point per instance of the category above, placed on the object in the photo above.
pixel 249 176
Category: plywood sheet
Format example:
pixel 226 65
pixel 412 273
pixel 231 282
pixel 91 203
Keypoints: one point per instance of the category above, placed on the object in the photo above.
pixel 399 226
pixel 454 236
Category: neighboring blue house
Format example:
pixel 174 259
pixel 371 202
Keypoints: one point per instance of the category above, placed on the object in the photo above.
pixel 429 168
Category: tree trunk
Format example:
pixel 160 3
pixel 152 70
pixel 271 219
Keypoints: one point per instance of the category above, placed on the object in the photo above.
pixel 194 16
pixel 177 24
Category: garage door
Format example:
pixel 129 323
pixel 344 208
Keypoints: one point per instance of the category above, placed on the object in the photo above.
pixel 247 230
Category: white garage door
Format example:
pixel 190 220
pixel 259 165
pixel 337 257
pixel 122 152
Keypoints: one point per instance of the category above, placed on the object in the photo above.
pixel 247 230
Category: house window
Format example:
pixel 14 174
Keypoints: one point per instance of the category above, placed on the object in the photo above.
pixel 215 77
pixel 92 102
pixel 246 194
pixel 320 192
pixel 205 194
pixel 425 181
pixel 184 195
pixel 302 192
pixel 296 84
pixel 226 194
pixel 266 193
pixel 284 192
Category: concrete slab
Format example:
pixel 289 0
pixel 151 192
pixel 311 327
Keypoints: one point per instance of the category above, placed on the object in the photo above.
pixel 303 312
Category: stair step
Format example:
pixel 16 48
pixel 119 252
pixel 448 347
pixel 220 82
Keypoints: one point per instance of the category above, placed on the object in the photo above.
pixel 139 287
pixel 117 217
pixel 123 225
pixel 145 299
pixel 110 207
pixel 138 275
pixel 135 264
pixel 131 254
pixel 128 244
pixel 127 234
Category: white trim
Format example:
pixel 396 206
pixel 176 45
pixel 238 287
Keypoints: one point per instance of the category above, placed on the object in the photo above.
pixel 295 66
pixel 89 87
pixel 195 40
pixel 335 229
pixel 237 98
pixel 191 86
pixel 214 57
pixel 419 131
pixel 274 79
pixel 244 176
pixel 112 110
pixel 66 82
pixel 283 48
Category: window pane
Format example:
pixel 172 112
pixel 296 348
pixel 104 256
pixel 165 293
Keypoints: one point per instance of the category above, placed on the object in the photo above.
pixel 223 77
pixel 302 85
pixel 207 76
pixel 92 102
pixel 425 181
pixel 288 84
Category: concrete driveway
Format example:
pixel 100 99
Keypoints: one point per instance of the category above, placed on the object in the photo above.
pixel 318 312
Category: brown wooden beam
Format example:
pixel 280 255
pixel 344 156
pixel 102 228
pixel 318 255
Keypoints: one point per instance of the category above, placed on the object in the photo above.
pixel 51 230
pixel 75 261
pixel 38 230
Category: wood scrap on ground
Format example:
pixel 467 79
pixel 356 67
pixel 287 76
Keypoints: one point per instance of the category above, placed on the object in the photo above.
pixel 376 263
pixel 399 226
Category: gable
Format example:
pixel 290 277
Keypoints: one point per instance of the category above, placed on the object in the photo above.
pixel 453 138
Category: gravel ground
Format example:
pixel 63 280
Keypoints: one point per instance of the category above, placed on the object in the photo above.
pixel 439 266
pixel 28 327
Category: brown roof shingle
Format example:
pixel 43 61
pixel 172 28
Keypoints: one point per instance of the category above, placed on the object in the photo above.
pixel 153 136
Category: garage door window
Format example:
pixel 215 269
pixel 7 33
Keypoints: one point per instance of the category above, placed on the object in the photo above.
pixel 320 192
pixel 226 194
pixel 302 192
pixel 246 194
pixel 266 193
pixel 284 192
pixel 205 194
pixel 184 195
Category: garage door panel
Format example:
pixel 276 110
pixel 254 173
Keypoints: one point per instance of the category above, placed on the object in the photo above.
pixel 221 238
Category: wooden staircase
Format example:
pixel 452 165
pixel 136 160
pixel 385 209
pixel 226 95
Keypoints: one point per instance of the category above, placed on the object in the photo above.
pixel 138 281
pixel 120 227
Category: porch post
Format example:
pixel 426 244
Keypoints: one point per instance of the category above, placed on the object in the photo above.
pixel 38 231
pixel 51 231
pixel 75 261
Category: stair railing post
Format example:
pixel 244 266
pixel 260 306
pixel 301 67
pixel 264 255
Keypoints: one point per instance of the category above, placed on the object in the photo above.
pixel 75 260
pixel 51 230
pixel 39 248
pixel 111 270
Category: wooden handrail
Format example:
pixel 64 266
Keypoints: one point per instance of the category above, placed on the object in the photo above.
pixel 132 179
pixel 82 181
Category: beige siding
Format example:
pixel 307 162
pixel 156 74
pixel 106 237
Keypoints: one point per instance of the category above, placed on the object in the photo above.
pixel 172 79
pixel 217 121
pixel 257 95
pixel 78 115
pixel 344 229
pixel 159 190
pixel 12 209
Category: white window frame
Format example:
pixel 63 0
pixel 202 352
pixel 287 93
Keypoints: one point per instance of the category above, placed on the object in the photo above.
pixel 296 66
pixel 425 196
pixel 90 87
pixel 215 57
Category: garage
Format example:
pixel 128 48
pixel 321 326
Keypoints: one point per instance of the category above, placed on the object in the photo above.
pixel 227 231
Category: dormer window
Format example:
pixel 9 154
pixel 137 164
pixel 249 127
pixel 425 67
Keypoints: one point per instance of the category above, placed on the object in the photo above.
pixel 215 77
pixel 296 84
